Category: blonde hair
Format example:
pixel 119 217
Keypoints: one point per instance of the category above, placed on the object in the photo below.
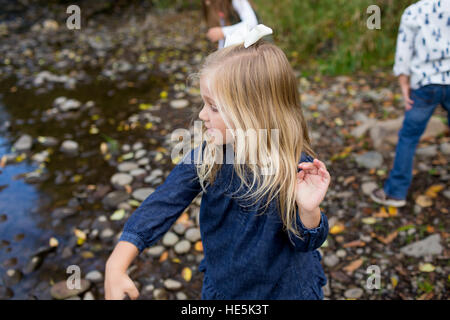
pixel 255 88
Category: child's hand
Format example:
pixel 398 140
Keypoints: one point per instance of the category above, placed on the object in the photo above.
pixel 406 91
pixel 312 185
pixel 117 284
pixel 406 97
pixel 215 34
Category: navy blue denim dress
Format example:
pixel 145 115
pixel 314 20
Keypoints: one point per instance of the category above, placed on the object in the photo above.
pixel 246 256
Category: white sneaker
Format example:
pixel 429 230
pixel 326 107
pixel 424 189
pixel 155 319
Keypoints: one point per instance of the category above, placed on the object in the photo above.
pixel 380 197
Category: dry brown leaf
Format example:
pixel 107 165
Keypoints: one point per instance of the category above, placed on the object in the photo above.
pixel 3 161
pixel 164 256
pixel 355 243
pixel 426 296
pixel 353 266
pixel 445 235
pixel 400 270
pixel 349 180
pixel 388 239
pixel 424 201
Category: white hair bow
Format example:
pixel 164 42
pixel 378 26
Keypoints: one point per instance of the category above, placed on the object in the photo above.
pixel 247 36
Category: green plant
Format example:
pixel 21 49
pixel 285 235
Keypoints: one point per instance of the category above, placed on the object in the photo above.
pixel 425 286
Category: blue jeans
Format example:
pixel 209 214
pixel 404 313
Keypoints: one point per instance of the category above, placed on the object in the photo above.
pixel 426 99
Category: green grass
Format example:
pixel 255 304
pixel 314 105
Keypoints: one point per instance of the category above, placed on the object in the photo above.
pixel 331 36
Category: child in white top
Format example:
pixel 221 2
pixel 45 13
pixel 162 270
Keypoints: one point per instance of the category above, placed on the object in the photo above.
pixel 222 17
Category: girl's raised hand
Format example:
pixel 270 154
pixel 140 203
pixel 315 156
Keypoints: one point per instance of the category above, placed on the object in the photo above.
pixel 312 184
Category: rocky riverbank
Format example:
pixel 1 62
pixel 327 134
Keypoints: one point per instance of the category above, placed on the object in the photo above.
pixel 88 117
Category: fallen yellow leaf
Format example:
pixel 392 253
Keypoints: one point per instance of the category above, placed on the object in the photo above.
pixel 186 273
pixel 338 228
pixel 427 267
pixel 394 281
pixel 103 147
pixel 369 220
pixel 199 246
pixel 145 106
pixel 53 242
pixel 87 254
pixel 80 234
pixel 184 217
pixel 77 178
pixel 393 211
pixel 434 190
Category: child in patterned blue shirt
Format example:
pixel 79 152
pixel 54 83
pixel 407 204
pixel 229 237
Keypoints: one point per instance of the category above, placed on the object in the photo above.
pixel 422 62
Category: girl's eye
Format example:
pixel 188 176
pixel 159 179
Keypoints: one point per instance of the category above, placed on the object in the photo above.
pixel 213 108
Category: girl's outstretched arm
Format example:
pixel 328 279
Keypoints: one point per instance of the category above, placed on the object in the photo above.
pixel 156 214
pixel 149 222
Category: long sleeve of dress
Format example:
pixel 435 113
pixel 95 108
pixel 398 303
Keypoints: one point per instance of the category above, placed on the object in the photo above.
pixel 312 238
pixel 156 214
pixel 247 15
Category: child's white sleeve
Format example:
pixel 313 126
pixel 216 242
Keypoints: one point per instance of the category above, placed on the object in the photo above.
pixel 247 15
pixel 405 42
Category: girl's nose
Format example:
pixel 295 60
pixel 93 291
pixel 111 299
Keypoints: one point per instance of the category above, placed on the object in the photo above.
pixel 203 115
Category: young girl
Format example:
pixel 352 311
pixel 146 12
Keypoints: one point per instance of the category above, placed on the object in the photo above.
pixel 259 231
pixel 223 16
